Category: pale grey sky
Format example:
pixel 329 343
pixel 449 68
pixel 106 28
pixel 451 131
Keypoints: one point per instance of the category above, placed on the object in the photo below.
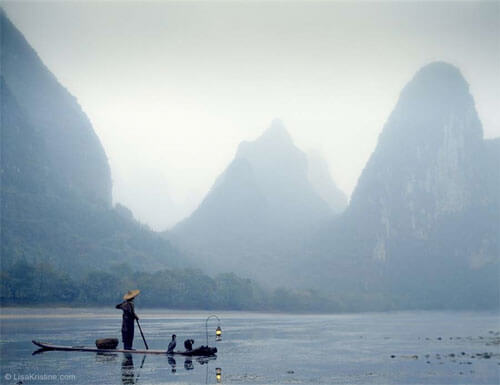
pixel 172 87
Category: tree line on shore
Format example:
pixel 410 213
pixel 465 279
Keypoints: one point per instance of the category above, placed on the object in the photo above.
pixel 28 284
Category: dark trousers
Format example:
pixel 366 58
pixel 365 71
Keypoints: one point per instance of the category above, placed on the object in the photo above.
pixel 128 339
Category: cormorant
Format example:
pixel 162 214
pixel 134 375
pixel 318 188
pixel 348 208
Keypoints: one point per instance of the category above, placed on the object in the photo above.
pixel 172 344
pixel 188 344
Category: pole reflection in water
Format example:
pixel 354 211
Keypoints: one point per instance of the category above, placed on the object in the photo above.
pixel 128 370
pixel 218 371
pixel 139 373
pixel 130 375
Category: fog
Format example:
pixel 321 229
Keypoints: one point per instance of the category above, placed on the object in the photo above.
pixel 172 88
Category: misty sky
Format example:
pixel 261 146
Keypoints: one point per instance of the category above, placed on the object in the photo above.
pixel 172 88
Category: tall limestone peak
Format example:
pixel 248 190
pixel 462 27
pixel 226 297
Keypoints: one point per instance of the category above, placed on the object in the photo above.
pixel 280 168
pixel 442 79
pixel 421 229
pixel 436 99
pixel 274 137
pixel 260 205
pixel 424 164
pixel 277 134
pixel 76 159
pixel 55 179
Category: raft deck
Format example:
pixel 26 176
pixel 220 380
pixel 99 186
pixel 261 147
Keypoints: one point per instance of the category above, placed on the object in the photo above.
pixel 201 351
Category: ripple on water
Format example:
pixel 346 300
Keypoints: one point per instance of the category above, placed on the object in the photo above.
pixel 260 348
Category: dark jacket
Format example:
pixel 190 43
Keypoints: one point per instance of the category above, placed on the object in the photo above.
pixel 129 316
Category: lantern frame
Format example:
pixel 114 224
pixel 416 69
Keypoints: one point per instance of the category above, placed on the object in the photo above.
pixel 218 331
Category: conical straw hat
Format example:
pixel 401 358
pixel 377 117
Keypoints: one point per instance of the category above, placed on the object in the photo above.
pixel 131 294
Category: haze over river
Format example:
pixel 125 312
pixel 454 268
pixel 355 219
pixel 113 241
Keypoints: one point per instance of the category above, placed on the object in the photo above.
pixel 257 348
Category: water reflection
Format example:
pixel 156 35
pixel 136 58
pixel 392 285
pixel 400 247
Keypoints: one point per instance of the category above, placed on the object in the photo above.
pixel 255 338
pixel 218 371
pixel 188 364
pixel 128 373
pixel 106 357
pixel 172 363
pixel 205 360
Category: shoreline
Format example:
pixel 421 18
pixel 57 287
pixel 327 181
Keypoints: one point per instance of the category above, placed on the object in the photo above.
pixel 106 312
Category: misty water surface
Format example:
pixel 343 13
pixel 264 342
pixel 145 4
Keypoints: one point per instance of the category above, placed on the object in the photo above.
pixel 260 348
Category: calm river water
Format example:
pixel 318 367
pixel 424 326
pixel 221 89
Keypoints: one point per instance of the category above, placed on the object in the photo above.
pixel 258 348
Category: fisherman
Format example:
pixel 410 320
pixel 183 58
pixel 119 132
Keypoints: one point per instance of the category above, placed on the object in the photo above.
pixel 129 318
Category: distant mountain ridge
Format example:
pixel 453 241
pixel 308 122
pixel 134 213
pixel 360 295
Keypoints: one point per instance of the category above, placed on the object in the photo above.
pixel 422 229
pixel 321 180
pixel 75 159
pixel 258 210
pixel 425 215
pixel 55 178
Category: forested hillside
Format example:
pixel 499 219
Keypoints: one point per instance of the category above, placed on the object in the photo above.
pixel 24 284
pixel 62 241
pixel 422 228
pixel 55 178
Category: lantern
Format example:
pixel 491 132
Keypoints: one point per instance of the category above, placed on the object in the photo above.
pixel 218 331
